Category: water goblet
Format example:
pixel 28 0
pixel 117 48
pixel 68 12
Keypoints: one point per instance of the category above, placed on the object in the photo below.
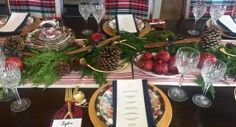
pixel 11 78
pixel 216 11
pixel 211 72
pixel 186 60
pixel 198 10
pixel 98 11
pixel 85 9
pixel 8 95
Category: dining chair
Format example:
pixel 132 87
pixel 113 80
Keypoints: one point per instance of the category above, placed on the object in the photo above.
pixel 140 8
pixel 230 7
pixel 37 8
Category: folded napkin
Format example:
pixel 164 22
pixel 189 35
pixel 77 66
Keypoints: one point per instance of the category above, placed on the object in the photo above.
pixel 14 23
pixel 228 24
pixel 150 119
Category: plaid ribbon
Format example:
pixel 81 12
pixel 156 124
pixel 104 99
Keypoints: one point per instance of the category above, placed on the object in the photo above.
pixel 230 6
pixel 137 7
pixel 38 8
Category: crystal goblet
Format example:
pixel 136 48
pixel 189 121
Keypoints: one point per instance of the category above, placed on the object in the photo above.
pixel 186 60
pixel 198 10
pixel 211 72
pixel 11 78
pixel 85 9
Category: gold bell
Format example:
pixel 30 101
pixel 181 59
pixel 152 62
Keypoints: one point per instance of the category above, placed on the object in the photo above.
pixel 79 97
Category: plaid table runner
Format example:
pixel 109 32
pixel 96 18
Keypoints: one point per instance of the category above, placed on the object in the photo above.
pixel 38 8
pixel 230 7
pixel 137 7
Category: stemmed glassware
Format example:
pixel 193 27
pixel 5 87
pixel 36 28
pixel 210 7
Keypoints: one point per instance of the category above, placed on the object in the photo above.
pixel 8 94
pixel 216 11
pixel 211 72
pixel 11 76
pixel 198 10
pixel 85 9
pixel 186 60
pixel 98 11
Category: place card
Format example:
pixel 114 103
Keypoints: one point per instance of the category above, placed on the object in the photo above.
pixel 67 122
pixel 126 22
pixel 227 22
pixel 130 107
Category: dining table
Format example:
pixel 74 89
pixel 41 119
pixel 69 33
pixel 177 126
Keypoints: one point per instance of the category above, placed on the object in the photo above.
pixel 45 102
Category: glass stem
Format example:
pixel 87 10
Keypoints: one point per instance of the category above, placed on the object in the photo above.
pixel 17 95
pixel 181 80
pixel 99 27
pixel 194 25
pixel 5 89
pixel 86 23
pixel 205 89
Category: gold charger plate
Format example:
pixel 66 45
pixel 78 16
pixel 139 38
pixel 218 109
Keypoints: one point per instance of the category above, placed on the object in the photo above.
pixel 164 121
pixel 112 32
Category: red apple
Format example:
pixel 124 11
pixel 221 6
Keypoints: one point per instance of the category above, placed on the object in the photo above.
pixel 146 64
pixel 18 61
pixel 172 66
pixel 146 56
pixel 164 56
pixel 161 68
pixel 205 56
pixel 96 37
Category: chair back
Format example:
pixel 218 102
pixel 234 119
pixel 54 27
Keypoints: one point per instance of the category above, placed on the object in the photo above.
pixel 140 8
pixel 37 8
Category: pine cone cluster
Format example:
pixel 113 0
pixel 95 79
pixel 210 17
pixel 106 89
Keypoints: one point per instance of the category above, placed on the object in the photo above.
pixel 14 46
pixel 109 58
pixel 75 64
pixel 211 38
pixel 63 68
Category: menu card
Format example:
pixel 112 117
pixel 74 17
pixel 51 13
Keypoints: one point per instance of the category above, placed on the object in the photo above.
pixel 126 22
pixel 131 103
pixel 227 22
pixel 15 22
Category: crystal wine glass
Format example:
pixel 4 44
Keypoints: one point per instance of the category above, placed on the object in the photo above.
pixel 198 10
pixel 216 11
pixel 98 11
pixel 211 72
pixel 11 78
pixel 186 60
pixel 85 9
pixel 7 94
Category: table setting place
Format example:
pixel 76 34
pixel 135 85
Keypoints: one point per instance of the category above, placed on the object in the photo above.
pixel 70 114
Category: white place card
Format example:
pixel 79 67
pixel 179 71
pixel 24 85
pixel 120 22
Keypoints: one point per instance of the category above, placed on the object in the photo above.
pixel 67 122
pixel 14 21
pixel 130 111
pixel 228 22
pixel 126 22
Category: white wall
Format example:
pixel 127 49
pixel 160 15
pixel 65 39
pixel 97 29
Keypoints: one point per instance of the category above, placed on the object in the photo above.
pixel 157 8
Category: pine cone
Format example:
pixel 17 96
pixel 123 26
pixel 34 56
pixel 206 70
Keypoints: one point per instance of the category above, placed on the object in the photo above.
pixel 75 64
pixel 63 68
pixel 109 58
pixel 210 39
pixel 14 46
